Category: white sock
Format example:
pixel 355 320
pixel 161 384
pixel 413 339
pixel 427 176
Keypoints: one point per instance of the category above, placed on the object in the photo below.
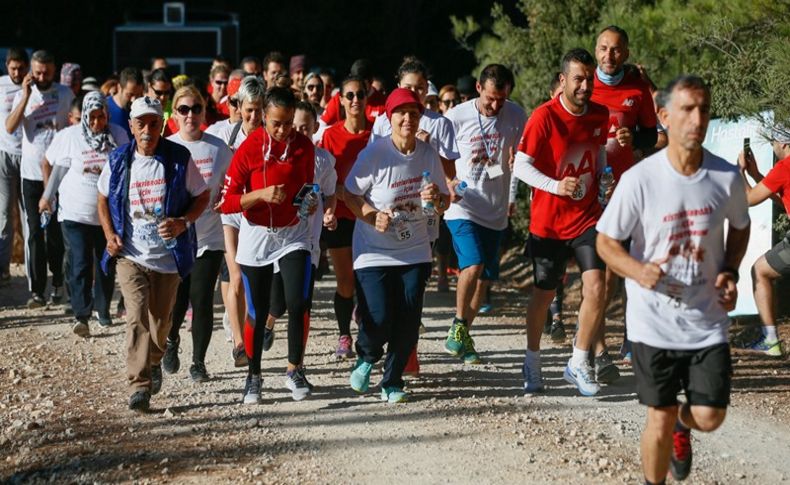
pixel 533 357
pixel 579 357
pixel 770 332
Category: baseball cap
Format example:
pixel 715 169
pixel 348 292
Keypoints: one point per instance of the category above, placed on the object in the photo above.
pixel 432 91
pixel 90 84
pixel 298 63
pixel 145 105
pixel 399 97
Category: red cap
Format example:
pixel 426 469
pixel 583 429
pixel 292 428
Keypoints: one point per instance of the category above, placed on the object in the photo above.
pixel 400 96
pixel 233 86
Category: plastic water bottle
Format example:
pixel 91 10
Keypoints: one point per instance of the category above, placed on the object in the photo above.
pixel 427 205
pixel 607 182
pixel 460 189
pixel 46 216
pixel 167 243
pixel 309 201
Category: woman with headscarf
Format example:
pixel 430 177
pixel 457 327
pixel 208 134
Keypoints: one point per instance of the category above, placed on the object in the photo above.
pixel 77 155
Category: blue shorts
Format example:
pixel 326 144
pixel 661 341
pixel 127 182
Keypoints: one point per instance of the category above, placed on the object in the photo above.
pixel 475 244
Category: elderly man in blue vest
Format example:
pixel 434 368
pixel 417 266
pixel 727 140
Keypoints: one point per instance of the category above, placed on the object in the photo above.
pixel 150 194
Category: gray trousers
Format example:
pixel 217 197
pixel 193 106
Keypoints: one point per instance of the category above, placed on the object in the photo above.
pixel 10 184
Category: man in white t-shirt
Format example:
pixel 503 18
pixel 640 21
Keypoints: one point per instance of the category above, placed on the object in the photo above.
pixel 487 131
pixel 150 195
pixel 16 64
pixel 41 108
pixel 680 275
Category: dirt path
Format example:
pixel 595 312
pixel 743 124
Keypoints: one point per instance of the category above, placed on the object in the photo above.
pixel 63 414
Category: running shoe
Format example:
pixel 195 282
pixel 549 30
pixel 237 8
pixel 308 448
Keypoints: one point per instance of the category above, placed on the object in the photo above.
pixel 625 351
pixel 268 337
pixel 80 328
pixel 226 327
pixel 557 331
pixel 140 401
pixel 104 321
pixel 454 345
pixel 239 356
pixel 36 301
pixel 296 382
pixel 606 372
pixel 471 356
pixel 170 361
pixel 772 348
pixel 198 372
pixel 252 389
pixel 344 344
pixel 533 378
pixel 680 464
pixel 156 379
pixel 581 377
pixel 394 395
pixel 360 376
pixel 56 298
pixel 486 308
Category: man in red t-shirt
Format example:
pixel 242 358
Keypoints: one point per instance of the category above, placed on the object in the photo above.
pixel 374 103
pixel 561 156
pixel 632 125
pixel 776 262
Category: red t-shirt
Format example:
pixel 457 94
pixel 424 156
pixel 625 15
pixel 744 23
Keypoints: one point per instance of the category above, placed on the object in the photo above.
pixel 248 172
pixel 565 145
pixel 630 104
pixel 374 106
pixel 778 181
pixel 345 147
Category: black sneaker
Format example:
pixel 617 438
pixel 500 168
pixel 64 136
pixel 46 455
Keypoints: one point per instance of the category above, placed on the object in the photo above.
pixel 104 321
pixel 170 361
pixel 557 331
pixel 140 401
pixel 268 338
pixel 156 379
pixel 239 356
pixel 36 301
pixel 198 373
pixel 606 372
pixel 680 465
pixel 297 383
pixel 80 327
pixel 57 295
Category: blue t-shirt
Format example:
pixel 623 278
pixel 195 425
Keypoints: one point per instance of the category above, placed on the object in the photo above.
pixel 118 116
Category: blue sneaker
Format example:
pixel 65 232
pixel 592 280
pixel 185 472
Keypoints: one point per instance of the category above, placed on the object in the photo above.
pixel 360 376
pixel 394 395
pixel 471 357
pixel 533 379
pixel 581 377
pixel 486 308
pixel 771 348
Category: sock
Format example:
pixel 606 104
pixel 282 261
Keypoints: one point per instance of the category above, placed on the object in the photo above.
pixel 579 357
pixel 769 332
pixel 459 320
pixel 648 482
pixel 344 310
pixel 532 357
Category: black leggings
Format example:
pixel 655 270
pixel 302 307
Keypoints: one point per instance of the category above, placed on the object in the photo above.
pixel 198 289
pixel 295 270
pixel 277 304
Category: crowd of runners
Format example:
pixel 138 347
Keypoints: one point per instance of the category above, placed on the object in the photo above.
pixel 255 178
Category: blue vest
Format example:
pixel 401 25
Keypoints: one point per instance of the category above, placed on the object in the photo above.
pixel 175 159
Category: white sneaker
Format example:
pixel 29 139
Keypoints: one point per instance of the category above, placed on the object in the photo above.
pixel 296 382
pixel 581 377
pixel 226 326
pixel 252 390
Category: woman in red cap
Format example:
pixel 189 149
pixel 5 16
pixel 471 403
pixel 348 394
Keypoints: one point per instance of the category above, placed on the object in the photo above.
pixel 396 184
pixel 344 140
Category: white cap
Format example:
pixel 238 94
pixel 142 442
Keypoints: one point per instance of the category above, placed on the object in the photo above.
pixel 432 91
pixel 146 105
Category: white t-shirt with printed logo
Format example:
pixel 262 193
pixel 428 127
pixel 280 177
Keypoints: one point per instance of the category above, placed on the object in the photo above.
pixel 10 143
pixel 326 178
pixel 78 189
pixel 677 221
pixel 388 179
pixel 141 241
pixel 45 114
pixel 480 139
pixel 223 130
pixel 212 157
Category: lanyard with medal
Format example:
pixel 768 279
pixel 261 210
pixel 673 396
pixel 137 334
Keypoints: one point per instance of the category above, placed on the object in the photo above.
pixel 493 169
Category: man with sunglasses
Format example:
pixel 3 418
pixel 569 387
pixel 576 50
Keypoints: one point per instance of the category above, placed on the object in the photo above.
pixel 218 90
pixel 160 86
pixel 314 91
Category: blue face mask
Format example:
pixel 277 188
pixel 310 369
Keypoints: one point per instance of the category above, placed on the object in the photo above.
pixel 610 80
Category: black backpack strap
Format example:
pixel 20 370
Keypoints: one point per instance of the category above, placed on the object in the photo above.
pixel 234 134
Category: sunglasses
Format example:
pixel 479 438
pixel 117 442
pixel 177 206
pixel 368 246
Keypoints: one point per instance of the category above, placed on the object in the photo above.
pixel 162 92
pixel 220 82
pixel 351 95
pixel 184 110
pixel 313 87
pixel 449 102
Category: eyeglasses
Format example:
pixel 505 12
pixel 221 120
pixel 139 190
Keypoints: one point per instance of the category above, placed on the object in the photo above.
pixel 450 102
pixel 351 95
pixel 221 82
pixel 313 87
pixel 162 92
pixel 184 110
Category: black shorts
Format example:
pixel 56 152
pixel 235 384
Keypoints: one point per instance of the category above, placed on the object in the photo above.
pixel 224 274
pixel 550 257
pixel 704 375
pixel 341 236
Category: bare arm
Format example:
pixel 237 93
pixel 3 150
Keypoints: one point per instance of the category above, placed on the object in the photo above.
pixel 617 258
pixel 361 209
pixel 114 242
pixel 759 192
pixel 18 114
